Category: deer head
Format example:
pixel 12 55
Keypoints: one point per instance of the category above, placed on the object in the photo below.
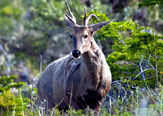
pixel 82 35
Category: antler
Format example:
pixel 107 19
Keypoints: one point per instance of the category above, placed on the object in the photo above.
pixel 85 16
pixel 69 10
pixel 89 17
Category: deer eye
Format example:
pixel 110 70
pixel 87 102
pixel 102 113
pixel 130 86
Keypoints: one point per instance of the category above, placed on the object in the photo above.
pixel 85 36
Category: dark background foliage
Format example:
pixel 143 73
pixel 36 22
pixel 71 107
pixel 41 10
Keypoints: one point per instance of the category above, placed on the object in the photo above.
pixel 33 33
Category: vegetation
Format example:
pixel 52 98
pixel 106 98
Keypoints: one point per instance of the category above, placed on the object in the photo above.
pixel 33 34
pixel 11 100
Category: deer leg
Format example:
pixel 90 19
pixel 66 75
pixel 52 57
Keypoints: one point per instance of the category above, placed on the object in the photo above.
pixel 97 108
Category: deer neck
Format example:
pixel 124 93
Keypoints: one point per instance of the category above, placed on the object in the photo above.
pixel 93 55
pixel 94 59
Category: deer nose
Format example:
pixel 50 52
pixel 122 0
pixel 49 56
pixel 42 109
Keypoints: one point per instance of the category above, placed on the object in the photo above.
pixel 76 53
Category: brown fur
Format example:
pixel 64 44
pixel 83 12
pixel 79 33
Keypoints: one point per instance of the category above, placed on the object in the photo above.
pixel 86 78
pixel 78 82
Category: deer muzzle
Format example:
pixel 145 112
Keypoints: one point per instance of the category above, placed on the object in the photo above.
pixel 76 53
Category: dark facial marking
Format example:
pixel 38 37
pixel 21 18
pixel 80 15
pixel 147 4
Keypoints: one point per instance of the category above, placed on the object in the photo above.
pixel 74 40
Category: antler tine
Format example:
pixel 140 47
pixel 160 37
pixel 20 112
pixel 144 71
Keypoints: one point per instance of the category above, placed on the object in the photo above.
pixel 89 17
pixel 68 17
pixel 85 16
pixel 69 10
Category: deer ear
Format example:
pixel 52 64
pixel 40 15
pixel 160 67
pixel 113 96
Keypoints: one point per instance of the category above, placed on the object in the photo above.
pixel 93 28
pixel 69 21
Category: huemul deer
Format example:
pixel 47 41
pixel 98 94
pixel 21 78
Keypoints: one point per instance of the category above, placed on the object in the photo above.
pixel 81 79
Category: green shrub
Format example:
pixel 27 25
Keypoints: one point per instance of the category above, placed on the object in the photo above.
pixel 137 52
pixel 11 100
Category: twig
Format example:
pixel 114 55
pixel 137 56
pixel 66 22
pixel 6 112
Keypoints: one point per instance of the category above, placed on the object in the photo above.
pixel 148 61
pixel 142 72
pixel 122 41
pixel 40 63
pixel 140 67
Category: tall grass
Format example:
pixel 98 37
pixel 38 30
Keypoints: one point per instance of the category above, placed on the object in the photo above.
pixel 120 102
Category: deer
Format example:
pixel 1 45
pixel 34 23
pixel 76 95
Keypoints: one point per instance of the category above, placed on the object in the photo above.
pixel 80 79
